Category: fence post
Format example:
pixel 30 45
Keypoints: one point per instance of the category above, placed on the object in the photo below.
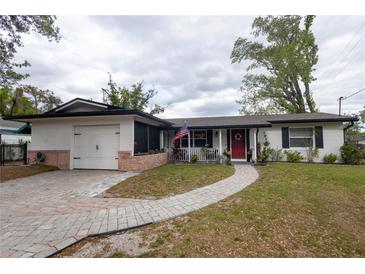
pixel 25 153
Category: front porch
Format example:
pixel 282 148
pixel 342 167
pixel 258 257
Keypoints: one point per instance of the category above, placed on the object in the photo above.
pixel 210 145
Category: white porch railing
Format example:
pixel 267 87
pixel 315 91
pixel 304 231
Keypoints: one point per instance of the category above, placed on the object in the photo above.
pixel 203 154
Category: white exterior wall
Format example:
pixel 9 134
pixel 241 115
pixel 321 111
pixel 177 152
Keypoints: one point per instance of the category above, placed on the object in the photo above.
pixel 332 138
pixel 216 138
pixel 58 134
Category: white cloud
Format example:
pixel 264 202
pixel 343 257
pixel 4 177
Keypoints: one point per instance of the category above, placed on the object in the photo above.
pixel 185 58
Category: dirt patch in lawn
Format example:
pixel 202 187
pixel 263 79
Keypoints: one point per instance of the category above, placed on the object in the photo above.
pixel 168 180
pixel 14 172
pixel 119 245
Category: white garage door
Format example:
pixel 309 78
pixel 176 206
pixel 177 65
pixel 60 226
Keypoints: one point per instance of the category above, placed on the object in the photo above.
pixel 96 147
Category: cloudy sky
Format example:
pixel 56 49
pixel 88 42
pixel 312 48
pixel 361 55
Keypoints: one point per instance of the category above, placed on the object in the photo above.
pixel 186 58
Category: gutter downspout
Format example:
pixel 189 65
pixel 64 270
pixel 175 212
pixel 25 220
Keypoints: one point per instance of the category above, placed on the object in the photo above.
pixel 345 129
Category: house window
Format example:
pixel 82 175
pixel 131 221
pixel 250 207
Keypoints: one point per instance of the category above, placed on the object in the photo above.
pixel 198 138
pixel 301 137
pixel 184 140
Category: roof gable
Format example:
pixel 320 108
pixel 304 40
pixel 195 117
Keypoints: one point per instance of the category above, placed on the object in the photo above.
pixel 82 105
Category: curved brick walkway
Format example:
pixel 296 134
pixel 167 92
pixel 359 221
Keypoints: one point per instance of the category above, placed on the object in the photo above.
pixel 40 232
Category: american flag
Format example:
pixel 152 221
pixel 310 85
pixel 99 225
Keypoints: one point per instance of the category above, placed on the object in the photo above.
pixel 181 132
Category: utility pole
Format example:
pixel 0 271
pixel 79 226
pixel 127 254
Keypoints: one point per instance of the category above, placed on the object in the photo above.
pixel 344 98
pixel 339 105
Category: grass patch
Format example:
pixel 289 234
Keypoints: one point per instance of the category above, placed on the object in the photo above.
pixel 170 179
pixel 293 210
pixel 14 172
pixel 118 254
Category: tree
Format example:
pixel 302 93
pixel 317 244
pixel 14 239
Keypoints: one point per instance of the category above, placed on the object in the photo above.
pixel 36 94
pixel 14 102
pixel 133 98
pixel 43 100
pixel 50 100
pixel 26 100
pixel 12 26
pixel 281 67
pixel 5 100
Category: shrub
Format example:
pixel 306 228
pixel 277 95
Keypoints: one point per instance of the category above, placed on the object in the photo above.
pixel 227 157
pixel 263 152
pixel 351 154
pixel 311 154
pixel 276 155
pixel 293 156
pixel 329 158
pixel 194 158
pixel 227 161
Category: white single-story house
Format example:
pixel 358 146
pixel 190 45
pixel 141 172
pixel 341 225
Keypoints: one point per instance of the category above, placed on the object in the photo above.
pixel 83 134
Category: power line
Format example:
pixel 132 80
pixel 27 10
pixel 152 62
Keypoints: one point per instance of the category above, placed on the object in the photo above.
pixel 352 38
pixel 344 65
pixel 356 92
pixel 344 49
pixel 344 98
pixel 335 68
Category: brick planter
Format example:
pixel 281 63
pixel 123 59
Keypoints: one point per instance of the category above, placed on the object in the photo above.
pixel 128 162
pixel 57 158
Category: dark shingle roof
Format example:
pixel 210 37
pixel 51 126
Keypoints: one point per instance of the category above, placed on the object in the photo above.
pixel 108 106
pixel 259 120
pixel 200 122
pixel 109 112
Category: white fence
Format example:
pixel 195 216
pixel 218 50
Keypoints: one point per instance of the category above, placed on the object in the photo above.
pixel 203 154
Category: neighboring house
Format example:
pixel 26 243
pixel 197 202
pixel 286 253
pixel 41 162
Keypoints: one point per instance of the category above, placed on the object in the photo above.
pixel 87 134
pixel 11 132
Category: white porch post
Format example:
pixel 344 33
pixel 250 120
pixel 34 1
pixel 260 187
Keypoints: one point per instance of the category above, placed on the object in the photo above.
pixel 161 140
pixel 254 152
pixel 189 144
pixel 220 143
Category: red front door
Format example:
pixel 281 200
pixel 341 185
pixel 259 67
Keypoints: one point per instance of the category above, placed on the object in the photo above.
pixel 238 144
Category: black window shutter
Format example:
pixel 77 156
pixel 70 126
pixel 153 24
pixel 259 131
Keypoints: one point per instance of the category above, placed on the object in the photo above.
pixel 210 138
pixel 228 139
pixel 247 139
pixel 319 137
pixel 285 137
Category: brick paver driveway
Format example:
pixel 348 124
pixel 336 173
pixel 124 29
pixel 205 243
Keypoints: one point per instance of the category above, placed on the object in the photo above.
pixel 42 214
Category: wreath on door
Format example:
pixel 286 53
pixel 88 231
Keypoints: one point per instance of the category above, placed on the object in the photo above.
pixel 238 136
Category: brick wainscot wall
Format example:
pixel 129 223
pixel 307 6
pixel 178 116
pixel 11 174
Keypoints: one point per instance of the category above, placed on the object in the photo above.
pixel 57 158
pixel 128 162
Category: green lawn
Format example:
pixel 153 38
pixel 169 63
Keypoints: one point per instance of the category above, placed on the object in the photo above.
pixel 170 179
pixel 293 210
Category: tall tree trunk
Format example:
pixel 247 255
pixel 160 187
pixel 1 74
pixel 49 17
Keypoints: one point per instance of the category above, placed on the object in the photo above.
pixel 308 98
pixel 299 95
